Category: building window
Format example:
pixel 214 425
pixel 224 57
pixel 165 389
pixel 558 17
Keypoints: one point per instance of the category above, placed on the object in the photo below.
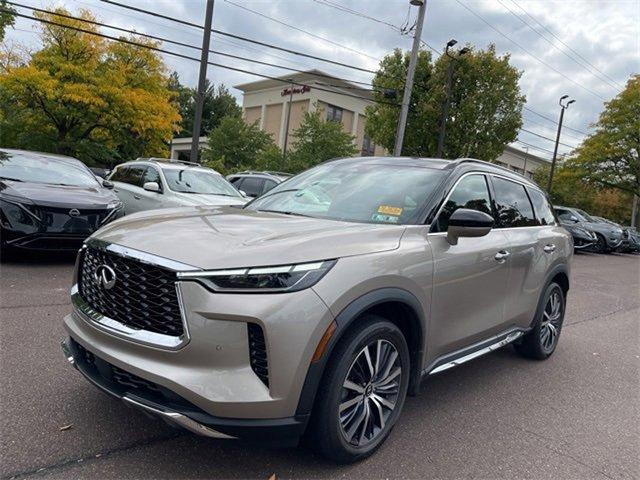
pixel 368 147
pixel 334 114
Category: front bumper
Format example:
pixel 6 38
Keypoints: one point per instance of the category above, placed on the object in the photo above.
pixel 160 402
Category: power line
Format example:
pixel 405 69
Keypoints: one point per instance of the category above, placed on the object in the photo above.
pixel 534 147
pixel 555 122
pixel 546 138
pixel 186 57
pixel 563 43
pixel 544 125
pixel 599 77
pixel 551 67
pixel 319 37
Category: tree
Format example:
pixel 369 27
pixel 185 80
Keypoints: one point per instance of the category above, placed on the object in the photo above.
pixel 235 145
pixel 103 102
pixel 218 103
pixel 485 111
pixel 316 141
pixel 7 17
pixel 610 157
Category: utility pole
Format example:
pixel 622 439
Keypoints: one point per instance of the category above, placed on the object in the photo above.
pixel 563 107
pixel 286 127
pixel 447 100
pixel 526 154
pixel 204 63
pixel 408 84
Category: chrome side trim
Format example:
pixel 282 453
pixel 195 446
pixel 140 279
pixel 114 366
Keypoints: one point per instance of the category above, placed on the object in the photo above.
pixel 179 419
pixel 478 353
pixel 118 329
pixel 141 256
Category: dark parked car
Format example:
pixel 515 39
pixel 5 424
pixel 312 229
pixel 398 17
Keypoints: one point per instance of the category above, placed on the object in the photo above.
pixel 255 184
pixel 100 172
pixel 51 202
pixel 630 240
pixel 608 235
pixel 582 237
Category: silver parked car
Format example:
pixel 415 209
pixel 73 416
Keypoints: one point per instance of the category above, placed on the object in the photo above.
pixel 321 304
pixel 150 183
pixel 608 234
pixel 254 184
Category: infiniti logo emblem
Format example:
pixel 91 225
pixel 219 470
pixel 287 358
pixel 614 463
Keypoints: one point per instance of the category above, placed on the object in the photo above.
pixel 105 276
pixel 74 212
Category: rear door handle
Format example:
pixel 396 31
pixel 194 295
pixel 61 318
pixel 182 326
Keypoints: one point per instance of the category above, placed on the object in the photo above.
pixel 502 255
pixel 549 248
pixel 137 197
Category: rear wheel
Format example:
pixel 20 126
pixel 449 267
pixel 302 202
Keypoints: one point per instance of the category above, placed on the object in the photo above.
pixel 363 391
pixel 541 341
pixel 601 244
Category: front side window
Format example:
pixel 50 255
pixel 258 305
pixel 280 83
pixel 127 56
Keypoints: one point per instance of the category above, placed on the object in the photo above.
pixel 544 214
pixel 23 167
pixel 152 175
pixel 334 114
pixel 471 192
pixel 356 192
pixel 564 215
pixel 185 180
pixel 585 216
pixel 512 203
pixel 252 186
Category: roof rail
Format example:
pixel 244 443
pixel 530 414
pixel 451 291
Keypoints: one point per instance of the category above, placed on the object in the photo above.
pixel 168 160
pixel 458 161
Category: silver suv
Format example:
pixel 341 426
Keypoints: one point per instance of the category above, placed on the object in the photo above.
pixel 319 306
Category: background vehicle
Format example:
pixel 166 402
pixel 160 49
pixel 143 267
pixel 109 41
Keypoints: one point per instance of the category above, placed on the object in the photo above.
pixel 100 172
pixel 150 183
pixel 51 202
pixel 254 184
pixel 582 237
pixel 630 240
pixel 608 235
pixel 323 302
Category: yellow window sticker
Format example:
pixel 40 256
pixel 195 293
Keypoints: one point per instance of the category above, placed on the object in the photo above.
pixel 388 210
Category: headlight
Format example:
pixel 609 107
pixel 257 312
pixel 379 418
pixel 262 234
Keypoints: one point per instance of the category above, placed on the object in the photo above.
pixel 17 213
pixel 117 204
pixel 285 278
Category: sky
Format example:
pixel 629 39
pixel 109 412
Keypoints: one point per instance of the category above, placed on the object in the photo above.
pixel 587 49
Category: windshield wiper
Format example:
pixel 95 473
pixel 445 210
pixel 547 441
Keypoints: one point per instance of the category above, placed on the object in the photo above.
pixel 281 191
pixel 284 213
pixel 11 179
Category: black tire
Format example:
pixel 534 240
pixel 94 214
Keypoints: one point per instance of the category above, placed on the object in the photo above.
pixel 601 244
pixel 536 343
pixel 329 434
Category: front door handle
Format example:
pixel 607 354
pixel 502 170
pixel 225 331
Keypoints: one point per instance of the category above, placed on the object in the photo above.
pixel 549 248
pixel 137 197
pixel 502 255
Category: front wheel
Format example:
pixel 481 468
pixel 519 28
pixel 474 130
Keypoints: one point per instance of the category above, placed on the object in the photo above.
pixel 363 391
pixel 601 244
pixel 541 341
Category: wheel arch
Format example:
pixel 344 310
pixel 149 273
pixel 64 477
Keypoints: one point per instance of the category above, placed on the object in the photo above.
pixel 558 274
pixel 396 305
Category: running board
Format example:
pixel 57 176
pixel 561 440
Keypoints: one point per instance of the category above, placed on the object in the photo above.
pixel 478 353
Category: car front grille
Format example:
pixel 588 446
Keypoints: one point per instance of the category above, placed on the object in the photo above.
pixel 258 352
pixel 144 296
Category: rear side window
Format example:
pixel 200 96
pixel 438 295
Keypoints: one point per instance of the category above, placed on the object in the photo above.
pixel 512 203
pixel 470 192
pixel 541 206
pixel 268 185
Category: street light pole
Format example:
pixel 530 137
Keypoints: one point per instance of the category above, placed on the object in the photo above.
pixel 563 107
pixel 447 100
pixel 204 63
pixel 408 84
pixel 286 131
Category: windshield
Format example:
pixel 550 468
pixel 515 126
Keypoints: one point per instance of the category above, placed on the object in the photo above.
pixel 198 181
pixel 358 192
pixel 586 216
pixel 22 167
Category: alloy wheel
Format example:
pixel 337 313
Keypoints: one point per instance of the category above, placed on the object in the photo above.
pixel 370 392
pixel 551 321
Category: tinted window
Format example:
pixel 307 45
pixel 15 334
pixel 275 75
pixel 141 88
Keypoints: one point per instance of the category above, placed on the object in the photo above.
pixel 235 180
pixel 252 186
pixel 544 214
pixel 119 174
pixel 25 167
pixel 512 202
pixel 134 175
pixel 152 175
pixel 356 191
pixel 268 185
pixel 471 192
pixel 564 215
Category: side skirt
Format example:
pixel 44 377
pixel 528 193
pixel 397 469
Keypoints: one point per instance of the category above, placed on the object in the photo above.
pixel 474 351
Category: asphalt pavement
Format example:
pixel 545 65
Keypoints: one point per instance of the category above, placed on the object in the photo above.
pixel 576 415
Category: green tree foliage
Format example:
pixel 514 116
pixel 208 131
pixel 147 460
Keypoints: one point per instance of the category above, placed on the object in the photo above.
pixel 316 141
pixel 103 102
pixel 611 156
pixel 235 145
pixel 485 112
pixel 218 104
pixel 6 17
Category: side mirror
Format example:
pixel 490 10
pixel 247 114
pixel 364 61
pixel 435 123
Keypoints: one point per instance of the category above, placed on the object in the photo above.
pixel 574 219
pixel 468 223
pixel 107 184
pixel 243 193
pixel 151 187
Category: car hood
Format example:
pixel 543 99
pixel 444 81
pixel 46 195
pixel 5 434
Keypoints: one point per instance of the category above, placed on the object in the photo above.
pixel 197 199
pixel 58 195
pixel 601 227
pixel 228 237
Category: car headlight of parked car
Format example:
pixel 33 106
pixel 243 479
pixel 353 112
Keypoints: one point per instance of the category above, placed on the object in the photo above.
pixel 283 278
pixel 17 212
pixel 115 204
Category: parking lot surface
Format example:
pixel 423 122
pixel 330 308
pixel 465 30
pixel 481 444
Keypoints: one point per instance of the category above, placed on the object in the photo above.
pixel 500 416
